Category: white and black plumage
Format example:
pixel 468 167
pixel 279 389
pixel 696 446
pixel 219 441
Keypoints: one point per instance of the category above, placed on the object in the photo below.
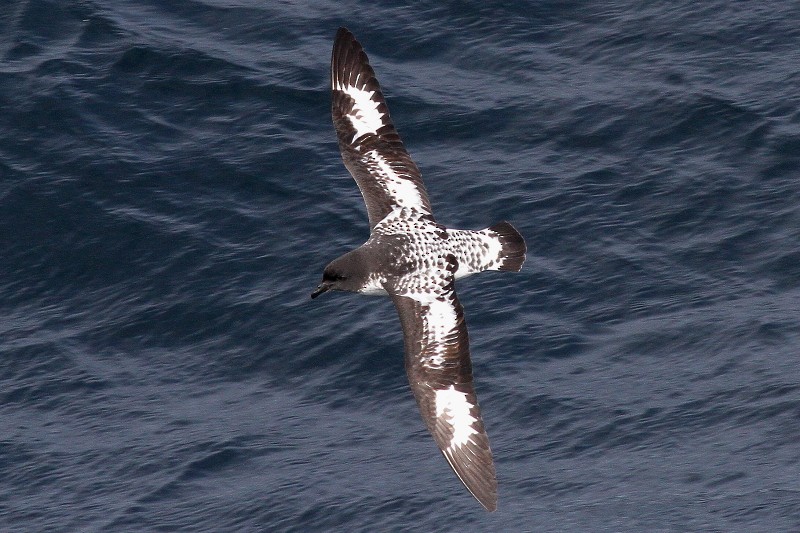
pixel 415 260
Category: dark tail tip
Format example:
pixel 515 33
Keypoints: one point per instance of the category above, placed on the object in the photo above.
pixel 514 249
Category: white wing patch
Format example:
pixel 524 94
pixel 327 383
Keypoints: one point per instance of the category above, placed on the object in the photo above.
pixel 452 405
pixel 440 321
pixel 365 116
pixel 403 191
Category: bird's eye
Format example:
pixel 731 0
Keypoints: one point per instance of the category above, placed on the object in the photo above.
pixel 333 277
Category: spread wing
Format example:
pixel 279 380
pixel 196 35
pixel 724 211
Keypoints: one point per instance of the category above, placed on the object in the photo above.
pixel 440 373
pixel 371 148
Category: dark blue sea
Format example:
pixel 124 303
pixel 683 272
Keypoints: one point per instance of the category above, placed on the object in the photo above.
pixel 171 189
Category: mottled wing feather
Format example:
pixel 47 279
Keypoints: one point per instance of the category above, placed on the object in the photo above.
pixel 440 372
pixel 371 148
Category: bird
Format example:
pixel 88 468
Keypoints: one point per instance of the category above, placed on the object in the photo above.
pixel 415 261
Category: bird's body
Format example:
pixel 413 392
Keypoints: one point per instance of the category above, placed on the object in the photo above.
pixel 406 243
pixel 415 260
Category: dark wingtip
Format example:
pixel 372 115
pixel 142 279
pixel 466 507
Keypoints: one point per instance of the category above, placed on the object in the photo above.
pixel 479 479
pixel 490 505
pixel 348 58
pixel 344 36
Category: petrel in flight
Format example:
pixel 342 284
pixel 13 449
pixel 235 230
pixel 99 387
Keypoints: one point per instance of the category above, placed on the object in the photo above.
pixel 415 260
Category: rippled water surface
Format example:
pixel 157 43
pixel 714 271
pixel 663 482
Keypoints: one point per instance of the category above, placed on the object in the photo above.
pixel 171 188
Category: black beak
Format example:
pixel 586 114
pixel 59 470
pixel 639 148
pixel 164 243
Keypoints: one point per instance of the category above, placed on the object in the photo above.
pixel 323 287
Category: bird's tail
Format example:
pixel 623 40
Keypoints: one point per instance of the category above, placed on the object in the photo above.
pixel 512 247
pixel 499 247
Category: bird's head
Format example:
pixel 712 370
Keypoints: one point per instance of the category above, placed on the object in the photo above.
pixel 347 273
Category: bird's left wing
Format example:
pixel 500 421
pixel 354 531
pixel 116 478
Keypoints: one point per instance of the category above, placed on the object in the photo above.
pixel 440 372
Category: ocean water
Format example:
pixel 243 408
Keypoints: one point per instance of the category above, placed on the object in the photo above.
pixel 171 188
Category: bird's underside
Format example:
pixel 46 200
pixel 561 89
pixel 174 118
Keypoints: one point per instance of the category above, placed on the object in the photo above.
pixel 416 261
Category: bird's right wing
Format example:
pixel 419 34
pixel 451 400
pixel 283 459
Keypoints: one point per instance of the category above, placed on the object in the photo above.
pixel 371 148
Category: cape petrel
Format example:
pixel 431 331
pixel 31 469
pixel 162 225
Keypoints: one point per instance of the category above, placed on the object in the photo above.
pixel 415 260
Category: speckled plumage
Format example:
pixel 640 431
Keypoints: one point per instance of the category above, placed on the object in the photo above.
pixel 415 260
